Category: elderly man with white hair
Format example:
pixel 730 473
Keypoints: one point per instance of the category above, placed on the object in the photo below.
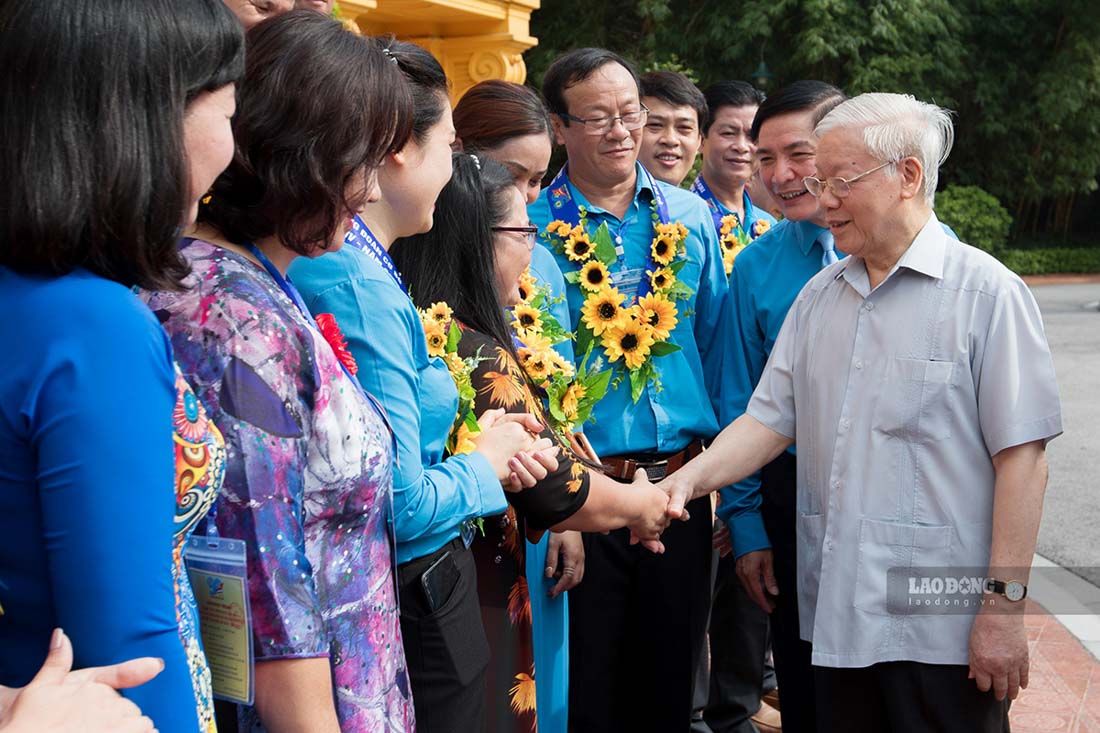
pixel 917 378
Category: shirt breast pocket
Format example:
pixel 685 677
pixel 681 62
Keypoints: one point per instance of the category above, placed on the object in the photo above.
pixel 915 402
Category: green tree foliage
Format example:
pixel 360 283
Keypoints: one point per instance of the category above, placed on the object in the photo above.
pixel 976 216
pixel 1023 75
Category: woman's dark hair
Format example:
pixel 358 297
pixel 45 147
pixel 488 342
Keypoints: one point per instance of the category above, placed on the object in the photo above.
pixel 493 112
pixel 799 96
pixel 574 67
pixel 319 105
pixel 675 89
pixel 729 93
pixel 427 82
pixel 455 261
pixel 92 100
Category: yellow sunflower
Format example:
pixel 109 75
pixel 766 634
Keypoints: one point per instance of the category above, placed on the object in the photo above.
pixel 594 276
pixel 659 313
pixel 630 340
pixel 662 278
pixel 527 285
pixel 440 312
pixel 570 401
pixel 537 364
pixel 464 440
pixel 437 338
pixel 578 247
pixel 454 361
pixel 602 310
pixel 533 340
pixel 663 248
pixel 527 318
pixel 559 363
pixel 558 227
pixel 760 226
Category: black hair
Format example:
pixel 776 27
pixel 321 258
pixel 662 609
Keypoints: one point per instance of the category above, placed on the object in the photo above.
pixel 729 93
pixel 800 96
pixel 574 67
pixel 319 106
pixel 427 82
pixel 672 87
pixel 94 95
pixel 455 261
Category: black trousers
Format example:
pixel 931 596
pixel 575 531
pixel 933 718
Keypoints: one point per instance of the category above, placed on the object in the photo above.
pixel 905 697
pixel 738 648
pixel 445 650
pixel 793 668
pixel 636 625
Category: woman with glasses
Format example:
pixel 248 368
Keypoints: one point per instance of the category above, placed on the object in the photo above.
pixel 474 259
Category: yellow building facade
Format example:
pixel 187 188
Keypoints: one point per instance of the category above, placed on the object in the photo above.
pixel 473 40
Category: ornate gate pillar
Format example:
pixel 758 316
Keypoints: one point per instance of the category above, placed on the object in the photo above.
pixel 474 40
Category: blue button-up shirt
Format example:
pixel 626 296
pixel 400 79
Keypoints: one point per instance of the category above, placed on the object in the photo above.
pixel 767 277
pixel 431 496
pixel 752 213
pixel 664 420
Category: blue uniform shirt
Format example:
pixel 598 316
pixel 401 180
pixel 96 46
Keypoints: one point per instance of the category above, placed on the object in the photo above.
pixel 661 421
pixel 431 497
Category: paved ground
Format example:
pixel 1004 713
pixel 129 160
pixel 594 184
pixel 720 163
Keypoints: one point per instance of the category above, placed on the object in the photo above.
pixel 1070 531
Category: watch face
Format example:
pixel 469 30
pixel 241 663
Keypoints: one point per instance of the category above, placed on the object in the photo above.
pixel 1015 590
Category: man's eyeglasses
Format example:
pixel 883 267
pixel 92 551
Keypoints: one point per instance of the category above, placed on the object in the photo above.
pixel 529 233
pixel 840 187
pixel 602 125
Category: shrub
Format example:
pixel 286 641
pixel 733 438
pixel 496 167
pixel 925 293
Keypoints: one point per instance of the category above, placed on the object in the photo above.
pixel 1052 261
pixel 976 216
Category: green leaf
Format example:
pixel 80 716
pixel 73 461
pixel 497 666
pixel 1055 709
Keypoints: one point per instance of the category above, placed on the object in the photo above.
pixel 677 265
pixel 595 386
pixel 573 277
pixel 637 382
pixel 663 348
pixel 454 335
pixel 585 338
pixel 603 248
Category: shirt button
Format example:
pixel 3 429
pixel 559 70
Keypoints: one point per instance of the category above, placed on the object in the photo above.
pixel 836 484
pixel 858 364
pixel 844 424
pixel 869 306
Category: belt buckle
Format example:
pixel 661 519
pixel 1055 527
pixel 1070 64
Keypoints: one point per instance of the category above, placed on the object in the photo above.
pixel 659 468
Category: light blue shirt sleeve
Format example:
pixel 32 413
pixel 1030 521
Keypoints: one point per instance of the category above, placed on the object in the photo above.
pixel 432 496
pixel 546 271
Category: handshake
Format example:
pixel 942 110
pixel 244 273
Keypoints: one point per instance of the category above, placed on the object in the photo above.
pixel 658 505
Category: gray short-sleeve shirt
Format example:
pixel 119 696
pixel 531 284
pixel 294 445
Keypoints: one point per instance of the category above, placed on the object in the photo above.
pixel 898 398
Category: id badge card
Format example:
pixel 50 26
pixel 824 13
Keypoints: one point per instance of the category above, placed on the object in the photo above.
pixel 627 281
pixel 219 577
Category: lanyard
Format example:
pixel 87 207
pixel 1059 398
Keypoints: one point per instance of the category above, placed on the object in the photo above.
pixel 700 188
pixel 565 206
pixel 362 238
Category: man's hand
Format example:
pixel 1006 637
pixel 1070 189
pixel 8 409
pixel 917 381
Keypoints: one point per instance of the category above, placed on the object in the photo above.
pixel 570 548
pixel 721 539
pixel 998 651
pixel 757 574
pixel 680 490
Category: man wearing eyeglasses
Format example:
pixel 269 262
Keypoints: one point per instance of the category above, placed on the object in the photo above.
pixel 637 621
pixel 919 382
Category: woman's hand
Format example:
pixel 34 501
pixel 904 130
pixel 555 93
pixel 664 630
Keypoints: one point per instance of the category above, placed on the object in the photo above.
pixel 502 436
pixel 569 547
pixel 652 516
pixel 530 467
pixel 59 700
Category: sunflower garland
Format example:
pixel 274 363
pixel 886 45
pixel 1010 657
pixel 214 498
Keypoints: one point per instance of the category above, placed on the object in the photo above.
pixel 733 238
pixel 443 334
pixel 570 394
pixel 630 334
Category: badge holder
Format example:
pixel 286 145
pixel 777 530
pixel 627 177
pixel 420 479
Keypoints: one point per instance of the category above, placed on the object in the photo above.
pixel 219 577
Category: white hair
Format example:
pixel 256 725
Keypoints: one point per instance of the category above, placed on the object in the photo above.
pixel 897 126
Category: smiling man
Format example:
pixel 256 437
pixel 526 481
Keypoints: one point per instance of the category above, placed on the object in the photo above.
pixel 729 162
pixel 637 621
pixel 919 382
pixel 671 137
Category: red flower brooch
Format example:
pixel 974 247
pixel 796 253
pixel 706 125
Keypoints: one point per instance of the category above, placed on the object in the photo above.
pixel 335 337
